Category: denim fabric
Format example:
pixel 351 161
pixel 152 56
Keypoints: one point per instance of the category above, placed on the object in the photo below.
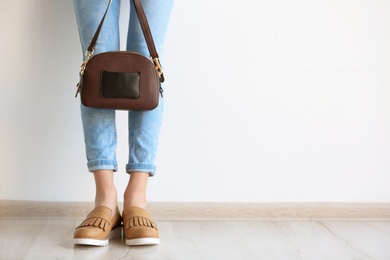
pixel 99 124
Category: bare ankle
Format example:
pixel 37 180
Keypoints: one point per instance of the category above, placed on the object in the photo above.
pixel 135 194
pixel 107 198
pixel 134 200
pixel 106 194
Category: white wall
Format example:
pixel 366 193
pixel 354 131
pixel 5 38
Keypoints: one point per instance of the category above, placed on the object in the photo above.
pixel 266 101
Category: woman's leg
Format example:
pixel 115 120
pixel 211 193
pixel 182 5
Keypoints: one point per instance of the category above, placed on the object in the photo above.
pixel 106 194
pixel 144 126
pixel 104 221
pixel 99 124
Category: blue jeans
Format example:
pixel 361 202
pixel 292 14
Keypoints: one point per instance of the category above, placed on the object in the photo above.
pixel 99 124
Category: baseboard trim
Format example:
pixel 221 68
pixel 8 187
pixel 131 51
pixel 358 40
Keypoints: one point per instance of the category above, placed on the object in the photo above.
pixel 182 211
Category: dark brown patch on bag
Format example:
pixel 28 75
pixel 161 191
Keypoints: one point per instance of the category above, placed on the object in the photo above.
pixel 120 84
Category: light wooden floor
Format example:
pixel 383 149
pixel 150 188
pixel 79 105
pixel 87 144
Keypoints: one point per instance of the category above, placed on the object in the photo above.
pixel 51 238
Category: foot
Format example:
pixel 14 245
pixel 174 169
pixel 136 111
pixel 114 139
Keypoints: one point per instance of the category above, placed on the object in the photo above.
pixel 139 227
pixel 98 227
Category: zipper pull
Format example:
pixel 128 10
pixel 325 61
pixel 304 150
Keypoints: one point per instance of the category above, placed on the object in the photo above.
pixel 161 91
pixel 79 85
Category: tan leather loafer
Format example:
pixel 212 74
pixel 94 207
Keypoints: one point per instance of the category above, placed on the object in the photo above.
pixel 98 227
pixel 139 227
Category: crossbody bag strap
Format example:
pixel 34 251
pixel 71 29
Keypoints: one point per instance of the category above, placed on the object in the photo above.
pixel 146 31
pixel 148 37
pixel 91 47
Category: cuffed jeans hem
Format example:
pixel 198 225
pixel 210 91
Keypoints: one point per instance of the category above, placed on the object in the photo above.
pixel 141 167
pixel 102 165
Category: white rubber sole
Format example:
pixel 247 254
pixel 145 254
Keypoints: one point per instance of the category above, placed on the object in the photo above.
pixel 142 241
pixel 115 233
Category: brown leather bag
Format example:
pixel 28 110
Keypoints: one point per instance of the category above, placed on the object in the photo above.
pixel 122 80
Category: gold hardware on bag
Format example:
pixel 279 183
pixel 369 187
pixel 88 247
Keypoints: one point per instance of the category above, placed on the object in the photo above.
pixel 158 66
pixel 88 55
